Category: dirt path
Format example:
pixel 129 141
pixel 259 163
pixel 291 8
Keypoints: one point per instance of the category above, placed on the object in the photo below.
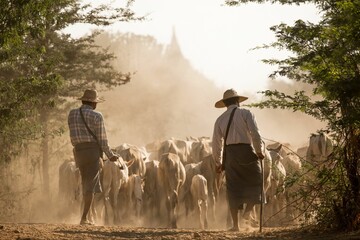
pixel 28 231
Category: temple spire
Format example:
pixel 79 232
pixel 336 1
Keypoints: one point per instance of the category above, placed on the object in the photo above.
pixel 173 49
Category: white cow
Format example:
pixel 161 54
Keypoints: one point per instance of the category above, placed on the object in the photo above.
pixel 293 167
pixel 179 147
pixel 267 165
pixel 206 168
pixel 320 148
pixel 276 192
pixel 294 171
pixel 301 152
pixel 185 197
pixel 317 158
pixel 199 193
pixel 115 174
pixel 131 199
pixel 267 175
pixel 172 176
pixel 200 149
pixel 131 152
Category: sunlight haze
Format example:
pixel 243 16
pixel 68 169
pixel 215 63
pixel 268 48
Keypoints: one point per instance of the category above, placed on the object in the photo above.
pixel 216 39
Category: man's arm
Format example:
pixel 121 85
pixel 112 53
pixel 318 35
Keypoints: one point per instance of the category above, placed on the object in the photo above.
pixel 255 135
pixel 217 144
pixel 101 134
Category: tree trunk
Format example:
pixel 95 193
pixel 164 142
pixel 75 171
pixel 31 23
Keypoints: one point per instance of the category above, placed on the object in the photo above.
pixel 45 154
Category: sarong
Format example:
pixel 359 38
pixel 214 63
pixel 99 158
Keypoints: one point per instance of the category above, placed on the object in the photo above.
pixel 243 175
pixel 87 157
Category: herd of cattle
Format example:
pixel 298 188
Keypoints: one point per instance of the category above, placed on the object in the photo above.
pixel 174 183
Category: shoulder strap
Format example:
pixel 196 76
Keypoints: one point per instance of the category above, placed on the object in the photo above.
pixel 87 127
pixel 226 134
pixel 89 130
pixel 92 134
pixel 228 126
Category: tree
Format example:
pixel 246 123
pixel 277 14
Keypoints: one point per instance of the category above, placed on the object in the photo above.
pixel 41 68
pixel 326 55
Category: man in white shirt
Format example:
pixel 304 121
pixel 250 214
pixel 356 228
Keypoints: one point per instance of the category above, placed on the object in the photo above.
pixel 241 153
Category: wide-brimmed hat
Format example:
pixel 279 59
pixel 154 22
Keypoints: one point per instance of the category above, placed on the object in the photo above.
pixel 230 93
pixel 91 96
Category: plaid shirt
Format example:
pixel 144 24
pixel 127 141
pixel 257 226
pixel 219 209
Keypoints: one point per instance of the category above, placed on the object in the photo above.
pixel 79 132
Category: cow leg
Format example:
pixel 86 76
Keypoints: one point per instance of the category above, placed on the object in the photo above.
pixel 211 199
pixel 115 206
pixel 97 206
pixel 91 214
pixel 275 208
pixel 138 196
pixel 205 213
pixel 173 209
pixel 198 213
pixel 109 214
pixel 229 221
pixel 168 211
pixel 187 203
pixel 155 208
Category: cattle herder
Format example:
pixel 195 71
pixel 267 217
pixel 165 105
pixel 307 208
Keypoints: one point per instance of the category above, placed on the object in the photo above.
pixel 236 135
pixel 88 136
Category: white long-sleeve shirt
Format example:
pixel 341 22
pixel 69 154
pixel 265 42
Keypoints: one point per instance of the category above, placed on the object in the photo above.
pixel 243 129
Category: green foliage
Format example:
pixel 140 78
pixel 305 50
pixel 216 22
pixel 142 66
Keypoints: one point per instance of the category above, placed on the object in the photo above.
pixel 39 66
pixel 327 56
pixel 42 69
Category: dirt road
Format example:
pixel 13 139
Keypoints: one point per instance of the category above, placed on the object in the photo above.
pixel 28 231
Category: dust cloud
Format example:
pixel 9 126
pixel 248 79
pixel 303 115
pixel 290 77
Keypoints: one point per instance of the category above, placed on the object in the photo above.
pixel 287 126
pixel 166 98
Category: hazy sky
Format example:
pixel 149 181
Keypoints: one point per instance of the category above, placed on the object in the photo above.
pixel 215 38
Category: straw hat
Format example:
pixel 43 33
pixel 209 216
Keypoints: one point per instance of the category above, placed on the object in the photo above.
pixel 91 96
pixel 230 93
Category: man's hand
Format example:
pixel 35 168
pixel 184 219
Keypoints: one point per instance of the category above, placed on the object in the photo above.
pixel 260 155
pixel 114 158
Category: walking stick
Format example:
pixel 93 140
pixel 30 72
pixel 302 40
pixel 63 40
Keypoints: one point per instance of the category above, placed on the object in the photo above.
pixel 262 195
pixel 262 189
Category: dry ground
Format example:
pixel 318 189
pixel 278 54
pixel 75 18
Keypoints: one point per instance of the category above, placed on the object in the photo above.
pixel 32 231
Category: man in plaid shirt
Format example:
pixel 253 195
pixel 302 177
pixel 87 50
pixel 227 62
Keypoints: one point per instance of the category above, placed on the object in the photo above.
pixel 88 136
